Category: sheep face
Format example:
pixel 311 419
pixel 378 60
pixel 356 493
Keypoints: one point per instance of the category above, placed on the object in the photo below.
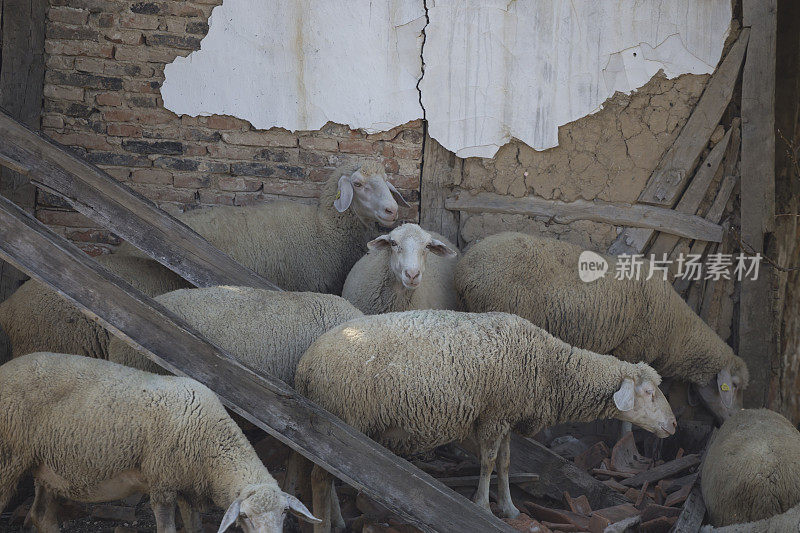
pixel 409 247
pixel 646 406
pixel 723 394
pixel 372 197
pixel 262 509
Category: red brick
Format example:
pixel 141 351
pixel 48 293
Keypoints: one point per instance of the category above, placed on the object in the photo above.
pixel 52 121
pixel 90 64
pixel 224 151
pixel 218 122
pixel 210 197
pixel 130 53
pixel 238 184
pixel 93 235
pixel 262 138
pixel 408 166
pixel 60 62
pixel 71 219
pixel 110 99
pixel 320 174
pixel 355 146
pixel 157 116
pixel 406 182
pixel 63 93
pixel 153 176
pixel 183 9
pixel 78 48
pixel 164 194
pixel 319 143
pixel 408 152
pixel 119 115
pixel 124 130
pixel 68 15
pixel 391 166
pixel 194 149
pixel 191 181
pixel 144 87
pixel 140 22
pixel 130 37
pixel 86 140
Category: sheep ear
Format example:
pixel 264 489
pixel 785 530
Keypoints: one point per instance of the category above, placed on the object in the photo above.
pixel 624 397
pixel 439 248
pixel 230 516
pixel 396 195
pixel 297 508
pixel 381 242
pixel 344 196
pixel 725 385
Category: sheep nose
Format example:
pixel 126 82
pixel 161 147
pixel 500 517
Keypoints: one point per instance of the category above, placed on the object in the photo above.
pixel 412 275
pixel 391 211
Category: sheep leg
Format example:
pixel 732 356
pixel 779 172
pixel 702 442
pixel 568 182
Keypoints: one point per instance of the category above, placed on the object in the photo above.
pixel 337 520
pixel 10 472
pixel 163 504
pixel 507 508
pixel 321 483
pixel 192 522
pixel 625 428
pixel 489 447
pixel 44 511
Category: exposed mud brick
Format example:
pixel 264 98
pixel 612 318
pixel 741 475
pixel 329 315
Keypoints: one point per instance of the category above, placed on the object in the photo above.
pixel 218 122
pixel 63 93
pixel 184 42
pixel 79 48
pixel 319 143
pixel 255 138
pixel 300 189
pixel 195 134
pixel 252 169
pixel 90 65
pixel 153 147
pixel 145 8
pixel 86 140
pixel 356 146
pixel 69 109
pixel 129 37
pixel 74 33
pixel 151 175
pixel 71 219
pixel 124 130
pixel 118 160
pixel 68 15
pixel 52 121
pixel 193 181
pixel 82 79
pixel 139 21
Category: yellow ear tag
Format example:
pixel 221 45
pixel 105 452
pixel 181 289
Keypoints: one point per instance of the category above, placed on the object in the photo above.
pixel 338 194
pixel 725 387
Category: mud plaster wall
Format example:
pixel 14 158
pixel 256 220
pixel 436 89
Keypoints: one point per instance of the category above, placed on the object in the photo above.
pixel 606 156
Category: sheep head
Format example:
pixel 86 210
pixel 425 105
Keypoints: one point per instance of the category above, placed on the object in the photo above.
pixel 262 509
pixel 409 246
pixel 641 402
pixel 722 395
pixel 370 194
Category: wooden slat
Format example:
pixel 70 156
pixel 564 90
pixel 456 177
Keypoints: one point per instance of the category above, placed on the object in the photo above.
pixel 557 475
pixel 264 401
pixel 441 170
pixel 691 517
pixel 667 180
pixel 472 481
pixel 660 472
pixel 125 212
pixel 22 28
pixel 618 214
pixel 696 191
pixel 757 320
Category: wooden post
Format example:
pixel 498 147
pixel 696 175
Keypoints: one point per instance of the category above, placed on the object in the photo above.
pixel 441 169
pixel 263 400
pixel 22 24
pixel 757 328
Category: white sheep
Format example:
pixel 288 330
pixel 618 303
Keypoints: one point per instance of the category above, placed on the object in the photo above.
pixel 420 379
pixel 408 268
pixel 780 523
pixel 301 247
pixel 635 320
pixel 752 469
pixel 91 430
pixel 266 330
pixel 35 318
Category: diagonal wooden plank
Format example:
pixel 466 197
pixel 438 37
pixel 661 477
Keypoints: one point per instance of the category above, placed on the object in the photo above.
pixel 115 206
pixel 265 401
pixel 667 180
pixel 698 188
pixel 642 216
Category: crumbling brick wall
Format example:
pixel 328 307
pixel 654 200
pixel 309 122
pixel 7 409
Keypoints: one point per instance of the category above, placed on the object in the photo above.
pixel 105 67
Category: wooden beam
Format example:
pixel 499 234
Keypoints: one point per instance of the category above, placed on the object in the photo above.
pixel 660 472
pixel 757 329
pixel 120 209
pixel 618 214
pixel 472 481
pixel 557 475
pixel 22 28
pixel 668 179
pixel 697 189
pixel 691 517
pixel 441 170
pixel 264 401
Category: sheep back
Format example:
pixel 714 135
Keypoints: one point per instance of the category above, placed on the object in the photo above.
pixel 35 318
pixel 372 287
pixel 266 330
pixel 752 468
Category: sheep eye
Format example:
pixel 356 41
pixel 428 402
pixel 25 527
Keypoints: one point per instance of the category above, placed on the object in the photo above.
pixel 357 184
pixel 392 243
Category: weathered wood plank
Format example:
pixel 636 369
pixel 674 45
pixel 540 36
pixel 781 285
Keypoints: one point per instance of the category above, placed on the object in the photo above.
pixel 691 517
pixel 757 318
pixel 264 401
pixel 470 481
pixel 668 179
pixel 660 472
pixel 120 209
pixel 696 191
pixel 441 170
pixel 557 475
pixel 21 84
pixel 619 214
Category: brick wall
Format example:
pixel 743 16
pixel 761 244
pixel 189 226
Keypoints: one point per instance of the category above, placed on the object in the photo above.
pixel 105 67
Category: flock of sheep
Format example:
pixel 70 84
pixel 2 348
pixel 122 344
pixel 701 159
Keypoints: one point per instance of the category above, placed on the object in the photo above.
pixel 424 348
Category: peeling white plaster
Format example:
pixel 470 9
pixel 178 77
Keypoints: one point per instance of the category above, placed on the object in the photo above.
pixel 298 64
pixel 494 69
pixel 497 70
